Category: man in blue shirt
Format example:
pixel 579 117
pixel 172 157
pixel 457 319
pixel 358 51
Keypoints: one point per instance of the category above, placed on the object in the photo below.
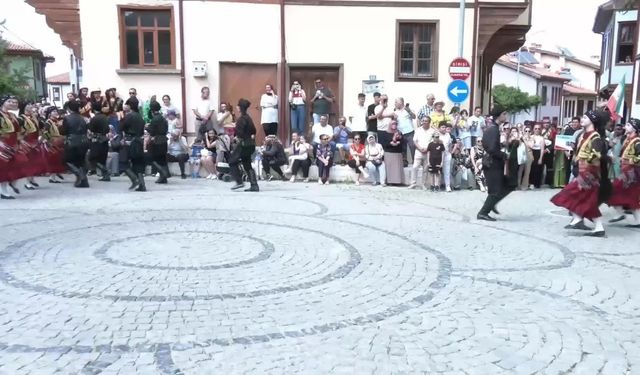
pixel 341 134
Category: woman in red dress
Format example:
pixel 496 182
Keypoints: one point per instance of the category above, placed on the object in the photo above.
pixel 54 145
pixel 30 133
pixel 583 196
pixel 12 156
pixel 626 188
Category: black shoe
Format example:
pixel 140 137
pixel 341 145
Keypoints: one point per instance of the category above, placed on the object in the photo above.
pixel 237 186
pixel 495 211
pixel 2 196
pixel 599 234
pixel 105 172
pixel 141 185
pixel 485 217
pixel 15 189
pixel 268 177
pixel 637 226
pixel 253 188
pixel 105 177
pixel 59 176
pixel 161 180
pixel 133 178
pixel 84 183
pixel 628 212
pixel 91 173
pixel 54 181
pixel 617 219
pixel 577 226
pixel 183 176
pixel 34 184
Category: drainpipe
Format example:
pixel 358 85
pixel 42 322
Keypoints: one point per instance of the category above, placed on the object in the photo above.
pixel 283 105
pixel 183 80
pixel 461 30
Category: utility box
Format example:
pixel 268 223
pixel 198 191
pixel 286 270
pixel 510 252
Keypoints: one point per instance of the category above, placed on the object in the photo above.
pixel 199 68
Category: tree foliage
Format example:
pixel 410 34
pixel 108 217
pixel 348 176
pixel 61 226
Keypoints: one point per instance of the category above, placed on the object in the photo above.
pixel 513 99
pixel 13 81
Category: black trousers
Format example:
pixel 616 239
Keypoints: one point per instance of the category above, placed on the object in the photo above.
pixel 181 159
pixel 135 156
pixel 241 155
pixel 301 164
pixel 75 154
pixel 98 152
pixel 497 187
pixel 158 153
pixel 547 161
pixel 535 178
pixel 267 165
pixel 270 128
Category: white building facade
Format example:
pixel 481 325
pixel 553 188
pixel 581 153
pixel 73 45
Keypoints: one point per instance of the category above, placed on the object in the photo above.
pixel 619 30
pixel 533 81
pixel 176 47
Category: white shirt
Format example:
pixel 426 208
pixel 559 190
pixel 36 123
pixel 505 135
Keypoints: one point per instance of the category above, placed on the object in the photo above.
pixel 383 125
pixel 476 126
pixel 204 106
pixel 422 137
pixel 319 130
pixel 359 119
pixel 446 141
pixel 405 122
pixel 269 110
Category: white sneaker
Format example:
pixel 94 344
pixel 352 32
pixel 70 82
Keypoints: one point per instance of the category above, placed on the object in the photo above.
pixel 448 189
pixel 384 185
pixel 365 173
pixel 327 183
pixel 320 181
pixel 412 186
pixel 210 177
pixel 305 180
pixel 292 179
pixel 357 182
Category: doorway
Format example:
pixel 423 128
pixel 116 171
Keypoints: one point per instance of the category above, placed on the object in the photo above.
pixel 244 80
pixel 333 80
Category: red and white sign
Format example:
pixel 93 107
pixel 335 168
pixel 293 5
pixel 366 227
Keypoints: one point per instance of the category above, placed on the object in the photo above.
pixel 460 68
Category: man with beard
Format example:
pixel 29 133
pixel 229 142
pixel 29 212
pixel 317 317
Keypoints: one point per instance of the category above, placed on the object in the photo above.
pixel 99 148
pixel 133 129
pixel 74 128
pixel 493 165
pixel 158 128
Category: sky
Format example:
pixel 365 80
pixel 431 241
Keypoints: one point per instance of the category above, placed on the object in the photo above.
pixel 566 23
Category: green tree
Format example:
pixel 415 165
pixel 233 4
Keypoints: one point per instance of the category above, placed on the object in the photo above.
pixel 13 81
pixel 513 99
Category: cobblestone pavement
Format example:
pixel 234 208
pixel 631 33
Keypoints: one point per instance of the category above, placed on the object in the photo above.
pixel 190 278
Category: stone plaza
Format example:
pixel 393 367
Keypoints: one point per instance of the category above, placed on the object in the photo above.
pixel 190 278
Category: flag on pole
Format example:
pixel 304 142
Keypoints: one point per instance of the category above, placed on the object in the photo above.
pixel 616 101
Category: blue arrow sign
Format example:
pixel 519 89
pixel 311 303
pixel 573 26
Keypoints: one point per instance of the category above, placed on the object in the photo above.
pixel 458 91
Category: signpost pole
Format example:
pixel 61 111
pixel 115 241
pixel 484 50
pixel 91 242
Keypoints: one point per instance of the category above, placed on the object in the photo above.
pixel 461 29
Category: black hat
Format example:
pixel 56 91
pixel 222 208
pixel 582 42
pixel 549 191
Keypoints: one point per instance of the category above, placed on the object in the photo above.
pixel 635 123
pixel 497 110
pixel 598 117
pixel 48 111
pixel 4 98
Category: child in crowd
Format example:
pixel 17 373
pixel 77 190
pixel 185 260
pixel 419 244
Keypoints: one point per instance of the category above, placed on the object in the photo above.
pixel 435 149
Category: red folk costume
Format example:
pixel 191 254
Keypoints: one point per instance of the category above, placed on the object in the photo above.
pixel 54 146
pixel 37 164
pixel 13 157
pixel 626 188
pixel 581 195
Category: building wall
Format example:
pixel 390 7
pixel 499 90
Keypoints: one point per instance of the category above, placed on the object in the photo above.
pixel 618 71
pixel 63 89
pixel 549 110
pixel 635 109
pixel 503 75
pixel 367 54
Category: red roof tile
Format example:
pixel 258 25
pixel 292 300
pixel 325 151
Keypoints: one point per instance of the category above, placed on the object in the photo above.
pixel 62 79
pixel 578 91
pixel 16 47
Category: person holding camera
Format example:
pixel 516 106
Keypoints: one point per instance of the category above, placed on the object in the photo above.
pixel 321 101
pixel 269 105
pixel 297 99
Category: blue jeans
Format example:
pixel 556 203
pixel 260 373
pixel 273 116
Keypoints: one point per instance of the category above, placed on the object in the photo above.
pixel 298 124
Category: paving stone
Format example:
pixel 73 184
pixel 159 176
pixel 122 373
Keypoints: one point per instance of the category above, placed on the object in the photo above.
pixel 190 278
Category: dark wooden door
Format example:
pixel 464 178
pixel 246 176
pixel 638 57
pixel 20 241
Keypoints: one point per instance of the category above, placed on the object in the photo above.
pixel 331 77
pixel 239 80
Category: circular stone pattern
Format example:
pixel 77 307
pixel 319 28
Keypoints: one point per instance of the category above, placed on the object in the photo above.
pixel 187 250
pixel 479 247
pixel 322 275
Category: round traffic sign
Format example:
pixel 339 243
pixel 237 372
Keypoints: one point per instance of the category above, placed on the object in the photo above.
pixel 460 68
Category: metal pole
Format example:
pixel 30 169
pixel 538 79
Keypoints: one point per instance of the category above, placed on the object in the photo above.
pixel 518 72
pixel 461 30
